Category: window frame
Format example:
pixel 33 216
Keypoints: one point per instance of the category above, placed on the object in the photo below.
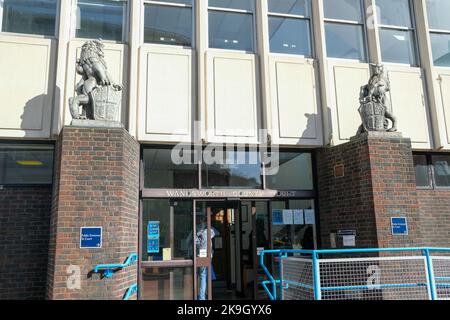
pixel 431 172
pixel 192 6
pixel 413 29
pixel 234 10
pixel 436 31
pixel 125 23
pixel 41 36
pixel 362 24
pixel 25 145
pixel 297 17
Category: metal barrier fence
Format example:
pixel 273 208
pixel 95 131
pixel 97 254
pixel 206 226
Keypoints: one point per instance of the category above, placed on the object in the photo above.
pixel 358 274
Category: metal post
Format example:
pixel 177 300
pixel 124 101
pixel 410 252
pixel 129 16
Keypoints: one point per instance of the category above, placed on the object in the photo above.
pixel 280 272
pixel 317 293
pixel 430 274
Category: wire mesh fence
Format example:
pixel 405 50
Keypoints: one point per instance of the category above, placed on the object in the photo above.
pixel 360 274
pixel 298 283
pixel 441 272
pixel 384 278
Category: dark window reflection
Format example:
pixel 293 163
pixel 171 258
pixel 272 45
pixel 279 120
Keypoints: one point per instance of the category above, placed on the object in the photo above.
pixel 230 30
pixel 168 25
pixel 238 169
pixel 100 19
pixel 440 44
pixel 26 165
pixel 291 36
pixel 29 16
pixel 421 169
pixel 294 173
pixel 441 166
pixel 160 171
pixel 345 41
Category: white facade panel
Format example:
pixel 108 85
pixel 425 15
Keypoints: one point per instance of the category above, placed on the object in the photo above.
pixel 232 108
pixel 294 102
pixel 26 86
pixel 408 105
pixel 346 81
pixel 165 108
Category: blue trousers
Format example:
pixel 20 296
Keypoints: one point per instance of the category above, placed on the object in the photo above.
pixel 203 283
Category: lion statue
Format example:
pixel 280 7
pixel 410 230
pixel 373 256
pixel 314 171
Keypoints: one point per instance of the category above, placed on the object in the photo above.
pixel 94 75
pixel 375 105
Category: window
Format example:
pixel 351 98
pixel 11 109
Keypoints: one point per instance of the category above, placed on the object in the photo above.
pixel 160 171
pixel 104 19
pixel 26 164
pixel 294 173
pixel 168 22
pixel 439 24
pixel 432 170
pixel 396 29
pixel 28 16
pixel 441 169
pixel 233 169
pixel 231 24
pixel 344 29
pixel 289 27
pixel 421 167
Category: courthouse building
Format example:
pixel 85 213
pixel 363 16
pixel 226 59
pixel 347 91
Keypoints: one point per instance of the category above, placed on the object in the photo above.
pixel 265 77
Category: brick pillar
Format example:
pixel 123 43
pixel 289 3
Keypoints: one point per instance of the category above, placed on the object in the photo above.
pixel 365 182
pixel 96 184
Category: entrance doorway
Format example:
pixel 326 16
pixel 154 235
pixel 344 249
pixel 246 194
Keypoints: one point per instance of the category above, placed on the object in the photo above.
pixel 239 231
pixel 177 261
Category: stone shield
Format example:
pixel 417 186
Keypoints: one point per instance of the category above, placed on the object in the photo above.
pixel 106 103
pixel 373 116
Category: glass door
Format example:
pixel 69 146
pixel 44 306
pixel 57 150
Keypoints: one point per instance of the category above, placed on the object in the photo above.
pixel 166 267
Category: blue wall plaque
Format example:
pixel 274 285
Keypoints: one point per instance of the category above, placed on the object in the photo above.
pixel 90 237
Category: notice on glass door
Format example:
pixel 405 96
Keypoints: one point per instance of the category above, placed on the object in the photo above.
pixel 298 217
pixel 288 217
pixel 310 216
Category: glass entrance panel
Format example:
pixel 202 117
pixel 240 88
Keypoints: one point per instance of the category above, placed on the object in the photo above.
pixel 293 226
pixel 167 250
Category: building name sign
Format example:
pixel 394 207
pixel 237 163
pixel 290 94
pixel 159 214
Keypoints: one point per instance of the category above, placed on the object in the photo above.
pixel 231 194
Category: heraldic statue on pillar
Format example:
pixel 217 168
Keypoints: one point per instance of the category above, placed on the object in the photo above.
pixel 98 96
pixel 375 105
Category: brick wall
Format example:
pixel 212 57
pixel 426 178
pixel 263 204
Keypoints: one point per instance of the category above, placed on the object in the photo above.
pixel 346 202
pixel 435 217
pixel 24 236
pixel 97 185
pixel 378 183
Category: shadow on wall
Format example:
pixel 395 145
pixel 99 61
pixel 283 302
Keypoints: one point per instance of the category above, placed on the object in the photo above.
pixel 312 126
pixel 32 118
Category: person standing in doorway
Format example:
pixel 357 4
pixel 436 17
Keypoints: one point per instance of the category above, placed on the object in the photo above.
pixel 201 242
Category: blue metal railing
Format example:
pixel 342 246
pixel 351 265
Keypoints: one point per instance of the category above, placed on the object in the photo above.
pixel 108 269
pixel 314 255
pixel 130 291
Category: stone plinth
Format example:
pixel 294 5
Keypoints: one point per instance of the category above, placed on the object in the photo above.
pixel 365 182
pixel 96 184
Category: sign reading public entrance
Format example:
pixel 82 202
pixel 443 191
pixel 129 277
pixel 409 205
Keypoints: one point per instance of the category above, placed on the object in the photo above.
pixel 90 237
pixel 399 226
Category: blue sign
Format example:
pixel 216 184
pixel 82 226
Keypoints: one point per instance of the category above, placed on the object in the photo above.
pixel 399 226
pixel 90 237
pixel 153 237
pixel 277 217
